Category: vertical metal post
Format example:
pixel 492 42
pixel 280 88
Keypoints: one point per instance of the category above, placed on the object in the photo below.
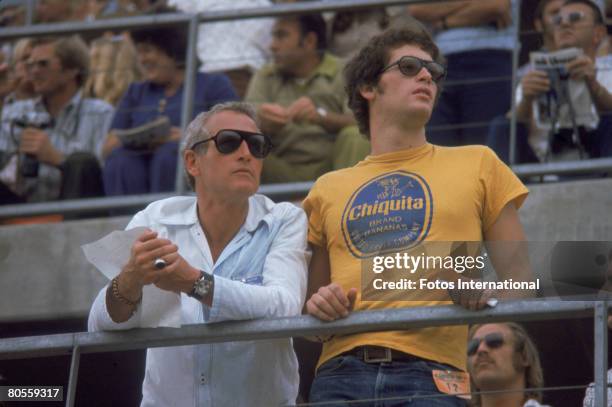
pixel 515 57
pixel 29 18
pixel 601 353
pixel 188 95
pixel 74 376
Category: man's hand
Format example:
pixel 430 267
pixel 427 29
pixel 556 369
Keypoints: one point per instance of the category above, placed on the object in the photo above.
pixel 140 269
pixel 304 110
pixel 535 83
pixel 178 276
pixel 37 143
pixel 471 299
pixel 582 68
pixel 330 302
pixel 504 20
pixel 273 117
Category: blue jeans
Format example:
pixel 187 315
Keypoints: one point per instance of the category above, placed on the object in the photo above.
pixel 129 172
pixel 467 106
pixel 347 378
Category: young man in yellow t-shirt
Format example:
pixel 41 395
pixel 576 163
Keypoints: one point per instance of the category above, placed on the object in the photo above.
pixel 405 194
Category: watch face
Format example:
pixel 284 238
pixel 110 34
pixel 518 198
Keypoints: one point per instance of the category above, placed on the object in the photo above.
pixel 202 287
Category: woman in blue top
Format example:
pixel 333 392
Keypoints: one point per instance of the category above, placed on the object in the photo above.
pixel 161 54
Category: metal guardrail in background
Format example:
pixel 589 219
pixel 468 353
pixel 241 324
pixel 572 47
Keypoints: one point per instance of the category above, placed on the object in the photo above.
pixel 366 321
pixel 277 192
pixel 285 190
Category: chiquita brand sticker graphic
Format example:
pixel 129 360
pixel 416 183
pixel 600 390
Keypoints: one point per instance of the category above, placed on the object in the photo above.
pixel 390 213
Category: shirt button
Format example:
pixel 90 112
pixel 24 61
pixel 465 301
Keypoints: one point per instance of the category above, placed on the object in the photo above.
pixel 202 379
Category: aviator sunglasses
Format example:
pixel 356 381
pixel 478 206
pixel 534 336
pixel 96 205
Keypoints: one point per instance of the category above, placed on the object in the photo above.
pixel 411 66
pixel 227 141
pixel 493 340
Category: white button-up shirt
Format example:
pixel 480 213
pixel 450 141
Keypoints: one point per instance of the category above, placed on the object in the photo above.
pixel 260 273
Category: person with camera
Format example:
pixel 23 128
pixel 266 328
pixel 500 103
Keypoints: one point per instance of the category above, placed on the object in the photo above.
pixel 50 144
pixel 564 133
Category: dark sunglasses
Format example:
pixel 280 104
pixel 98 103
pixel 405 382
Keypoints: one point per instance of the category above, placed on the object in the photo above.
pixel 569 18
pixel 227 141
pixel 411 66
pixel 493 340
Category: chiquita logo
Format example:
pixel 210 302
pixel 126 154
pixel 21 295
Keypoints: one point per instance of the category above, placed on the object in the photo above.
pixel 390 213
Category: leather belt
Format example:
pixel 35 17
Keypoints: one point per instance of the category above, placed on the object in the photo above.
pixel 380 354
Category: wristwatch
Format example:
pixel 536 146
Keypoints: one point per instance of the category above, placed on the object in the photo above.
pixel 202 286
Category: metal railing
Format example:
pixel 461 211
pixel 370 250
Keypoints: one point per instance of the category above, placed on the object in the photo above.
pixel 193 20
pixel 76 344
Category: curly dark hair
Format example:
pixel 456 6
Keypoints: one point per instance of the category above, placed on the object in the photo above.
pixel 365 68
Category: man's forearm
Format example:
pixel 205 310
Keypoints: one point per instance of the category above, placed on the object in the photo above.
pixel 477 13
pixel 602 99
pixel 524 110
pixel 430 13
pixel 334 122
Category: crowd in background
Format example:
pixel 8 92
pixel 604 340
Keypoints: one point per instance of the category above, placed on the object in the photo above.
pixel 296 84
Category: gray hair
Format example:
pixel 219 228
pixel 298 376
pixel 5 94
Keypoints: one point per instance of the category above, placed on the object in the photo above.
pixel 196 131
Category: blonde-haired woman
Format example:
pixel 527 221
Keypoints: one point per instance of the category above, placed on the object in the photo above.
pixel 114 65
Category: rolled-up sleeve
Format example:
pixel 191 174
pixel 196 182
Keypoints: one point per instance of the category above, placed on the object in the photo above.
pixel 284 278
pixel 100 320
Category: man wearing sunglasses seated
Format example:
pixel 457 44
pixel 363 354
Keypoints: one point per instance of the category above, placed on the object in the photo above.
pixel 302 106
pixel 503 360
pixel 579 24
pixel 226 254
pixel 406 194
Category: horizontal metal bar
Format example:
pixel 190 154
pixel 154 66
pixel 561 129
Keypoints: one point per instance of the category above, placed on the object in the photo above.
pixel 124 23
pixel 276 192
pixel 367 321
pixel 561 168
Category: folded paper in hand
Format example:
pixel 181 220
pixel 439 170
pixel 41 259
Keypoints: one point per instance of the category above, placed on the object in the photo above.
pixel 110 254
pixel 146 136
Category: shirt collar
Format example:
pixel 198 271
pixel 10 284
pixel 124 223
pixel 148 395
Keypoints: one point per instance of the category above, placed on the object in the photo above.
pixel 74 101
pixel 328 67
pixel 184 211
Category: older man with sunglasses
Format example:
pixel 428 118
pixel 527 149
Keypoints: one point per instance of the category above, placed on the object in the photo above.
pixel 403 196
pixel 228 254
pixel 579 24
pixel 504 365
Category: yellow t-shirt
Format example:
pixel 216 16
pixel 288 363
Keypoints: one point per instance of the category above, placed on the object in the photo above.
pixel 391 202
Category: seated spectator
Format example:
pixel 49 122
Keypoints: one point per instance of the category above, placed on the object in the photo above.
pixel 20 83
pixel 114 66
pixel 302 105
pixel 161 53
pixel 350 30
pixel 52 142
pixel 53 11
pixel 503 357
pixel 477 38
pixel 579 24
pixel 237 48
